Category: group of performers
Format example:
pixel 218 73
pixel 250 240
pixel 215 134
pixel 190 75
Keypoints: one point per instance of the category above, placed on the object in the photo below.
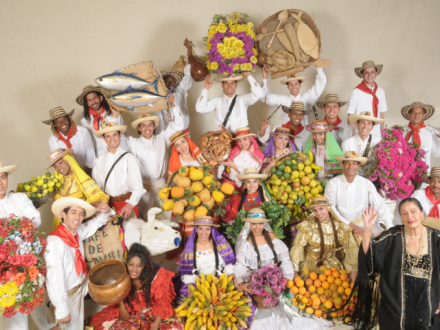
pixel 104 171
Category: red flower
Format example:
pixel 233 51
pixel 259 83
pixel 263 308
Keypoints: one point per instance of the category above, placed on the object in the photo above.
pixel 19 278
pixel 10 311
pixel 26 307
pixel 33 273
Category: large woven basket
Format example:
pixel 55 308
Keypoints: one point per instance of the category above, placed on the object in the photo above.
pixel 271 23
pixel 259 302
pixel 146 71
pixel 43 200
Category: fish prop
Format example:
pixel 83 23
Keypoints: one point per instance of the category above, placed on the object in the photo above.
pixel 132 98
pixel 118 81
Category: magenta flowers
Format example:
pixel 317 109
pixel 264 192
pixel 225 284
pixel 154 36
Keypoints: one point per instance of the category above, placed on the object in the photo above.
pixel 268 282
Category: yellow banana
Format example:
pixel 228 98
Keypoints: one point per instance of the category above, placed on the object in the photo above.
pixel 310 156
pixel 203 277
pixel 213 291
pixel 183 306
pixel 200 320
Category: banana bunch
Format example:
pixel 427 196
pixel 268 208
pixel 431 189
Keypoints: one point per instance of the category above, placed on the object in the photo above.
pixel 214 304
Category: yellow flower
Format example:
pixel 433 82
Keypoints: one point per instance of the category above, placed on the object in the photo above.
pixel 221 27
pixel 253 59
pixel 233 53
pixel 239 28
pixel 235 16
pixel 241 52
pixel 220 47
pixel 250 24
pixel 227 42
pixel 10 289
pixel 208 65
pixel 238 44
pixel 229 22
pixel 214 66
pixel 208 45
pixel 246 29
pixel 236 67
pixel 254 51
pixel 7 301
pixel 243 67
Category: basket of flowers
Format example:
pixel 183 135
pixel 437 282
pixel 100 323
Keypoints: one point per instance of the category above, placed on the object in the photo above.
pixel 266 286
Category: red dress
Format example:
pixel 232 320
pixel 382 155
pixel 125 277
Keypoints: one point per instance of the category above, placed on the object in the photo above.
pixel 251 201
pixel 162 294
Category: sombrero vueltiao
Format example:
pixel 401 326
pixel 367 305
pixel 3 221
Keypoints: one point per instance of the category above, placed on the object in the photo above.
pixel 57 155
pixel 331 98
pixel 251 173
pixel 318 126
pixel 296 106
pixel 256 215
pixel 365 115
pixel 7 169
pixel 368 64
pixel 176 136
pixel 428 109
pixel 352 155
pixel 318 201
pixel 435 172
pixel 242 132
pixel 282 131
pixel 110 127
pixel 60 204
pixel 177 76
pixel 232 77
pixel 57 113
pixel 203 221
pixel 86 90
pixel 291 78
pixel 145 117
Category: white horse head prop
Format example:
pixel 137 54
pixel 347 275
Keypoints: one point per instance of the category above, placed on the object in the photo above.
pixel 158 235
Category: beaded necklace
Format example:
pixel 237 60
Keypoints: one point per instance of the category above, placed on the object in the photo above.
pixel 413 260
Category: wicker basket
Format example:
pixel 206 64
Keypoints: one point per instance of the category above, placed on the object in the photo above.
pixel 43 200
pixel 259 301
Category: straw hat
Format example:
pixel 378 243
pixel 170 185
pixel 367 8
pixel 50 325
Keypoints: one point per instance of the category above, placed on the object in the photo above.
pixel 232 77
pixel 297 106
pixel 318 126
pixel 7 169
pixel 176 136
pixel 435 172
pixel 60 204
pixel 282 131
pixel 251 173
pixel 203 221
pixel 86 90
pixel 368 64
pixel 242 132
pixel 146 117
pixel 365 115
pixel 177 76
pixel 431 222
pixel 256 215
pixel 331 98
pixel 292 77
pixel 429 109
pixel 352 155
pixel 57 113
pixel 318 201
pixel 110 127
pixel 57 155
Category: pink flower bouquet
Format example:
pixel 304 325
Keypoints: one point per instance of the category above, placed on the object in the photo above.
pixel 398 168
pixel 267 283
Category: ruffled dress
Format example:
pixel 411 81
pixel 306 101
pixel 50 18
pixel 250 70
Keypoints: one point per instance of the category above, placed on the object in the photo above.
pixel 243 161
pixel 161 297
pixel 251 201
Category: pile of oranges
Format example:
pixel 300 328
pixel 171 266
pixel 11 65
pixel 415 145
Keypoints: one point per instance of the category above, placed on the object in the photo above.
pixel 323 291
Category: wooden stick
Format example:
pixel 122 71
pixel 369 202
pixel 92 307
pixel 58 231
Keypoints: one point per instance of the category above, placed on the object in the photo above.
pixel 264 109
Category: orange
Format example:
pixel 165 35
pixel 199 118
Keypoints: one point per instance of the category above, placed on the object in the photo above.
pixel 322 268
pixel 313 275
pixel 290 283
pixel 304 300
pixel 347 319
pixel 336 274
pixel 352 307
pixel 340 289
pixel 322 277
pixel 338 282
pixel 296 303
pixel 335 294
pixel 300 283
pixel 312 288
pixel 345 284
pixel 315 307
pixel 334 314
pixel 333 269
pixel 301 306
pixel 302 290
pixel 297 279
pixel 294 289
pixel 338 301
pixel 316 301
pixel 343 276
pixel 310 310
pixel 328 293
pixel 347 291
pixel 333 287
pixel 323 298
pixel 317 283
pixel 309 282
pixel 325 285
pixel 327 272
pixel 330 279
pixel 307 294
pixel 309 303
pixel 318 313
pixel 344 297
pixel 328 304
pixel 351 285
pixel 315 295
pixel 320 291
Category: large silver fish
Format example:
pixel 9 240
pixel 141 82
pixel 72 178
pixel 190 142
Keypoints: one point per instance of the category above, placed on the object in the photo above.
pixel 118 81
pixel 132 98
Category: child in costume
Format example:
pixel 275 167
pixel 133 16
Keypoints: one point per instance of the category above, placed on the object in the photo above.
pixel 281 143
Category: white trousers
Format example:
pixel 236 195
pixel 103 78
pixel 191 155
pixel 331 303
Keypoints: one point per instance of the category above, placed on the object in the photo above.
pixel 20 321
pixel 75 304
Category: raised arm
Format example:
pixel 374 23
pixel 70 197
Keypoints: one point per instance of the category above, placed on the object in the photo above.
pixel 256 91
pixel 175 125
pixel 370 217
pixel 203 105
pixel 313 94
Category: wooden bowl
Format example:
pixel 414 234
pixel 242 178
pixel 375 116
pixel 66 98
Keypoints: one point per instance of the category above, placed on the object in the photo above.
pixel 109 282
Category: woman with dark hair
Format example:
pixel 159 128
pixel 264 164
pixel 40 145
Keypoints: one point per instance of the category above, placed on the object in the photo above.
pixel 407 258
pixel 149 303
pixel 281 144
pixel 207 252
pixel 184 152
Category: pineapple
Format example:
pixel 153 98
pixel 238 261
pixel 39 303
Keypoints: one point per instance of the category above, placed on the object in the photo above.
pixel 185 202
pixel 176 178
pixel 201 211
pixel 196 174
pixel 218 196
pixel 168 205
pixel 207 180
pixel 197 186
pixel 189 215
pixel 178 208
pixel 164 193
pixel 177 192
pixel 184 182
pixel 184 171
pixel 194 201
pixel 204 195
pixel 227 188
pixel 210 203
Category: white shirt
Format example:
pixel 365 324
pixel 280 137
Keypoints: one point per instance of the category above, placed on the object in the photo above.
pixel 181 94
pixel 19 205
pixel 308 98
pixel 125 177
pixel 342 133
pixel 60 259
pixel 360 102
pixel 243 161
pixel 350 199
pixel 300 139
pixel 100 144
pixel 429 142
pixel 420 195
pixel 220 105
pixel 355 143
pixel 320 161
pixel 82 146
pixel 194 163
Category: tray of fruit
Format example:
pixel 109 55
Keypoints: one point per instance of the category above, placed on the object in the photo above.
pixel 41 189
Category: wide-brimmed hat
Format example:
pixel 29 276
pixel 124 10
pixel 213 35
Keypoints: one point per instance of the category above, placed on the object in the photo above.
pixel 368 64
pixel 7 169
pixel 292 77
pixel 429 109
pixel 232 77
pixel 177 76
pixel 352 155
pixel 57 155
pixel 331 98
pixel 318 201
pixel 318 126
pixel 176 136
pixel 57 113
pixel 256 215
pixel 60 204
pixel 242 132
pixel 251 173
pixel 86 90
pixel 110 127
pixel 297 106
pixel 146 117
pixel 365 115
pixel 435 172
pixel 203 221
pixel 282 131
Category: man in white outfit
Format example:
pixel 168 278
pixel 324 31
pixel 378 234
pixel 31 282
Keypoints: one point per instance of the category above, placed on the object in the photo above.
pixel 66 280
pixel 350 194
pixel 294 84
pixel 230 109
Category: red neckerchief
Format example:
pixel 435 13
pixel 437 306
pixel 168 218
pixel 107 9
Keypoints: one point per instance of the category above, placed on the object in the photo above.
pixel 297 131
pixel 434 211
pixel 337 122
pixel 96 117
pixel 69 136
pixel 415 131
pixel 72 241
pixel 363 87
